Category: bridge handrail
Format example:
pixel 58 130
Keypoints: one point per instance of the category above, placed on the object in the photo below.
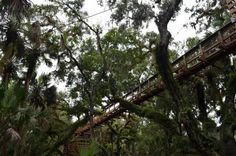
pixel 201 43
pixel 180 59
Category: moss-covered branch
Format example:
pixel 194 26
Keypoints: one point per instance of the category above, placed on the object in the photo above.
pixel 68 134
pixel 167 124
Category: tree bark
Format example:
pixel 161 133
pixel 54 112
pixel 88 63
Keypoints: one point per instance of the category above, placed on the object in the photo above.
pixel 167 124
pixel 201 101
pixel 163 66
pixel 228 119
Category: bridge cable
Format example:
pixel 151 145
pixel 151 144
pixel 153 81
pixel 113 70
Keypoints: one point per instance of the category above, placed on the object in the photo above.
pixel 98 13
pixel 184 25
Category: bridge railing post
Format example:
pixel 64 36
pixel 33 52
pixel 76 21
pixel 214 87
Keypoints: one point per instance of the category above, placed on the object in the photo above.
pixel 202 56
pixel 221 40
pixel 231 4
pixel 185 63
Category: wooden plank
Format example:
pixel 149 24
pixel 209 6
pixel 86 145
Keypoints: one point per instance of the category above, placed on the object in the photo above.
pixel 231 5
pixel 233 11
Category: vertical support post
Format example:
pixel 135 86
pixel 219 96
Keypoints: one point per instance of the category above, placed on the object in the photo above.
pixel 202 56
pixel 185 62
pixel 201 51
pixel 220 38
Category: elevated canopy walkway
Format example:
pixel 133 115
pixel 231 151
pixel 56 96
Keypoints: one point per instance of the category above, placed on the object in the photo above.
pixel 213 48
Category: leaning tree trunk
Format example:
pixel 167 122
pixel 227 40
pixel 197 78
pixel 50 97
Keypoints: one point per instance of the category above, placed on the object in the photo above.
pixel 228 118
pixel 163 66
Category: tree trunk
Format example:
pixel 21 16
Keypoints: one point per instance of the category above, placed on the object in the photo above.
pixel 228 119
pixel 118 148
pixel 163 66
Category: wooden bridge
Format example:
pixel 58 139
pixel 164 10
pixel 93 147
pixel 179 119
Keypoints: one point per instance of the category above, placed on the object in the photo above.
pixel 213 48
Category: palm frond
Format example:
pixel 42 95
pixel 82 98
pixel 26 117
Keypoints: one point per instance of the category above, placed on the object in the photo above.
pixel 14 7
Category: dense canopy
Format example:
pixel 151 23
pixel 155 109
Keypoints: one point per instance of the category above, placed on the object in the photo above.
pixel 59 72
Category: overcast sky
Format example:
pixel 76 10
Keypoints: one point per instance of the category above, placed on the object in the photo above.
pixel 179 32
pixel 176 28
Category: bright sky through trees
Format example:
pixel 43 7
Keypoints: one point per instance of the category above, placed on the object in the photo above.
pixel 81 78
pixel 99 16
pixel 179 32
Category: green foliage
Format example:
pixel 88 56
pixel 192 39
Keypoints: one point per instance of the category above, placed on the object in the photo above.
pixel 208 14
pixel 140 13
pixel 14 8
pixel 232 83
pixel 91 151
pixel 96 68
pixel 191 42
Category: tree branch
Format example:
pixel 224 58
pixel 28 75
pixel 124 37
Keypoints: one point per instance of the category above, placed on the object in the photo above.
pixel 167 124
pixel 68 134
pixel 96 32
